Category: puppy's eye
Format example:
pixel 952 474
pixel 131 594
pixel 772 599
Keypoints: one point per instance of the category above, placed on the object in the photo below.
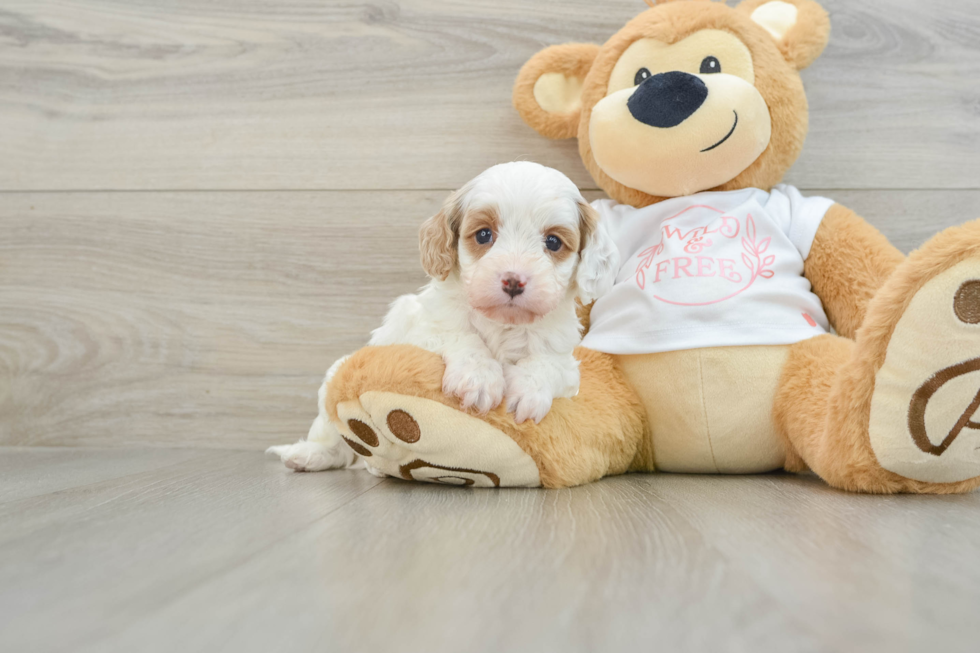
pixel 710 65
pixel 642 75
pixel 484 236
pixel 553 243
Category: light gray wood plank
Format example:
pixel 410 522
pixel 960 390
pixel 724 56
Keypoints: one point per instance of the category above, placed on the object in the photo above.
pixel 414 94
pixel 32 471
pixel 881 573
pixel 204 318
pixel 208 319
pixel 232 552
pixel 591 570
pixel 892 102
pixel 77 565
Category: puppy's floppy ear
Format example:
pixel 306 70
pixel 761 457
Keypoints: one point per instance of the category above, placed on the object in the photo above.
pixel 801 28
pixel 548 91
pixel 439 238
pixel 598 257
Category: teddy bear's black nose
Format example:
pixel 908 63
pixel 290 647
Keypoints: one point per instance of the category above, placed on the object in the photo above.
pixel 667 99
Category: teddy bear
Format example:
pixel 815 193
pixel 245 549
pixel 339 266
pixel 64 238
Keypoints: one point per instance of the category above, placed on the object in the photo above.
pixel 750 329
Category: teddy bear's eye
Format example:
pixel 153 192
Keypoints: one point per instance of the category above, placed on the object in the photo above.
pixel 641 76
pixel 710 65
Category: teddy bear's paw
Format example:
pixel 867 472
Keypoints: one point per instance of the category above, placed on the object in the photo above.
pixel 924 422
pixel 423 440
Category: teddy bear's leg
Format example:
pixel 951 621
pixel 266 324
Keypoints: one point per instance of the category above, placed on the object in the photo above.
pixel 895 411
pixel 388 404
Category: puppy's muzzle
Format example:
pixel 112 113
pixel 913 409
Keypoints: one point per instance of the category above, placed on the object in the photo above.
pixel 668 99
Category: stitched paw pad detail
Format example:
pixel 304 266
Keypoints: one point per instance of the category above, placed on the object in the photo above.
pixel 924 423
pixel 421 440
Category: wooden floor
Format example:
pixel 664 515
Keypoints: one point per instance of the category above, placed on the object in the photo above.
pixel 203 204
pixel 191 550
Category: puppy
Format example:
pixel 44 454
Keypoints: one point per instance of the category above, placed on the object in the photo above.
pixel 508 255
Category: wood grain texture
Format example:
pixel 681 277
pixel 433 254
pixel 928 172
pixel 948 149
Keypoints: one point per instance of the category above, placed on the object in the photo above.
pixel 104 554
pixel 828 556
pixel 208 319
pixel 31 471
pixel 415 94
pixel 231 552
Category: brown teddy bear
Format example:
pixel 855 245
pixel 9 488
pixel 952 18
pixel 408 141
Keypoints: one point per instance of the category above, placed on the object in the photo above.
pixel 713 353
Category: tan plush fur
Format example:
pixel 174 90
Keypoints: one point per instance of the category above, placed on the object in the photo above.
pixel 849 261
pixel 800 408
pixel 571 60
pixel 584 315
pixel 806 40
pixel 580 440
pixel 710 409
pixel 825 399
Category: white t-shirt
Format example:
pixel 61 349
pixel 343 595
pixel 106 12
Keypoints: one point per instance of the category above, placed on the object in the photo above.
pixel 710 270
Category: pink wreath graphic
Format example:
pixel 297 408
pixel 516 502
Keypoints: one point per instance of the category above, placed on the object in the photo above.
pixel 753 250
pixel 646 260
pixel 752 256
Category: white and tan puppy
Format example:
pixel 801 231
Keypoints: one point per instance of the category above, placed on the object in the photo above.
pixel 508 255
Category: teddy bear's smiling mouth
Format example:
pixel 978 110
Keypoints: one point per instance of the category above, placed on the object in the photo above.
pixel 708 149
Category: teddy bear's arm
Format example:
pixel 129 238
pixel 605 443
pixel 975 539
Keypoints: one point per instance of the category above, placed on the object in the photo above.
pixel 848 262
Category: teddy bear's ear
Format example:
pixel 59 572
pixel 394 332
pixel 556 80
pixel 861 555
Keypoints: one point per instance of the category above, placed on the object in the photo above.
pixel 801 27
pixel 548 91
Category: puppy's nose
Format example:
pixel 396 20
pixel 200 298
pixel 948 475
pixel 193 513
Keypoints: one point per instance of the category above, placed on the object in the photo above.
pixel 513 284
pixel 668 99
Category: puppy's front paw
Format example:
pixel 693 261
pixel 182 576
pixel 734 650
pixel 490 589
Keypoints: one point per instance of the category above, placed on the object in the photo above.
pixel 479 383
pixel 527 397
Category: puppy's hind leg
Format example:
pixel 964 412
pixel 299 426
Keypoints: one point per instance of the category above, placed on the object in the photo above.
pixel 323 447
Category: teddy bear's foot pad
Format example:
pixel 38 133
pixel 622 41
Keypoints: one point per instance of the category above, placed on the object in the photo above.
pixel 422 440
pixel 924 422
